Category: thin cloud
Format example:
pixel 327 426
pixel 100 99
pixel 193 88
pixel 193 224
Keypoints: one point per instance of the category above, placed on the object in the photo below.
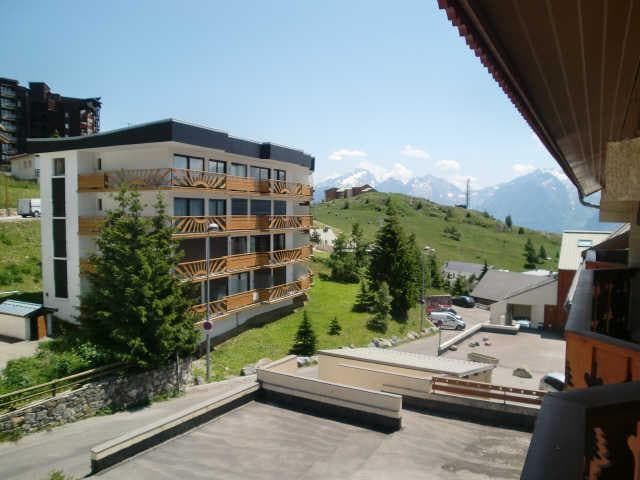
pixel 523 168
pixel 397 171
pixel 346 153
pixel 414 152
pixel 448 165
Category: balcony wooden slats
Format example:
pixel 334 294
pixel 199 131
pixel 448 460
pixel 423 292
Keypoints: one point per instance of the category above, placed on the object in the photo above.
pixel 247 260
pixel 256 297
pixel 248 222
pixel 152 178
pixel 198 225
pixel 89 225
pixel 198 268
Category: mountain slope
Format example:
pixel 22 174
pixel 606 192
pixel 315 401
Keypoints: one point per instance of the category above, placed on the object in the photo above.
pixel 481 237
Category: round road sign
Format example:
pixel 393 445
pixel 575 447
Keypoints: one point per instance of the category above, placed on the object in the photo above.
pixel 207 326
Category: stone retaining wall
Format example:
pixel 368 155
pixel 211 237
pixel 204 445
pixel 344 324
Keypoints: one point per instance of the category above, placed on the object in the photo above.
pixel 116 392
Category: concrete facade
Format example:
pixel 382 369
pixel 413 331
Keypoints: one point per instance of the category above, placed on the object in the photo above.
pixel 530 303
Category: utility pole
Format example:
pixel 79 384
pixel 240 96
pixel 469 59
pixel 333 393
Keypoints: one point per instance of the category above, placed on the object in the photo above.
pixel 6 191
pixel 468 193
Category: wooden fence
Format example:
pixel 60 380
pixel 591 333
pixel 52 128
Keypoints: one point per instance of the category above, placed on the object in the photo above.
pixel 468 388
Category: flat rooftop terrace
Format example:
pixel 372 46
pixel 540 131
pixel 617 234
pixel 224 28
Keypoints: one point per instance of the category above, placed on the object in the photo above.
pixel 263 441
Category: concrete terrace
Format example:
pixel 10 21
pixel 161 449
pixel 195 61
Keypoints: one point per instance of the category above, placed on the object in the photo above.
pixel 262 441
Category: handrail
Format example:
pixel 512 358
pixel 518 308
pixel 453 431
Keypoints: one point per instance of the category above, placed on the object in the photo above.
pixel 471 388
pixel 9 401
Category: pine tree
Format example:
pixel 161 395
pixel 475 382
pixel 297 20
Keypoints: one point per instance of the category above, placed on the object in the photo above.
pixel 364 299
pixel 531 258
pixel 136 310
pixel 360 245
pixel 334 327
pixel 381 308
pixel 520 231
pixel 434 272
pixel 459 287
pixel 485 269
pixel 393 261
pixel 542 255
pixel 508 222
pixel 342 263
pixel 305 341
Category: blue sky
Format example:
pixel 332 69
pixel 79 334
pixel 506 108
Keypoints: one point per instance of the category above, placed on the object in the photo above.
pixel 386 85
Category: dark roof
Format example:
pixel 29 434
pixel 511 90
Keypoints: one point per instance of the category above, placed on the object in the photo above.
pixel 496 285
pixel 170 130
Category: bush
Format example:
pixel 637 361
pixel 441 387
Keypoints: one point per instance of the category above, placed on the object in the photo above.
pixel 305 341
pixel 334 327
pixel 453 233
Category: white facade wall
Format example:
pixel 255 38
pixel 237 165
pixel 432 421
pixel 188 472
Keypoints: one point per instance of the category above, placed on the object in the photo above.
pixel 25 167
pixel 96 204
pixel 537 298
pixel 15 327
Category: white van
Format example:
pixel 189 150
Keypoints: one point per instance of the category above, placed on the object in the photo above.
pixel 447 320
pixel 29 207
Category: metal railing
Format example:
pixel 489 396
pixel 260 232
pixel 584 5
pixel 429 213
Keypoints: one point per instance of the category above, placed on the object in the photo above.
pixel 20 398
pixel 469 388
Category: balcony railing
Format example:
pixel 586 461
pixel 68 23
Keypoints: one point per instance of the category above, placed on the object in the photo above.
pixel 197 270
pixel 174 177
pixel 599 348
pixel 256 297
pixel 198 226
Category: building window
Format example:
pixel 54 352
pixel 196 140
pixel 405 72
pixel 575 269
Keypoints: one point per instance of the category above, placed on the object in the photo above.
pixel 238 245
pixel 99 164
pixel 262 278
pixel 279 175
pixel 188 207
pixel 60 278
pixel 217 206
pixel 99 204
pixel 239 206
pixel 279 207
pixel 260 173
pixel 217 289
pixel 239 283
pixel 59 237
pixel 260 243
pixel 260 207
pixel 57 197
pixel 217 166
pixel 238 170
pixel 279 276
pixel 279 241
pixel 185 162
pixel 218 247
pixel 58 167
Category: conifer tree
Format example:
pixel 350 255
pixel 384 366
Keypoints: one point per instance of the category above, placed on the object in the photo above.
pixel 363 299
pixel 508 222
pixel 136 310
pixel 334 327
pixel 434 272
pixel 342 263
pixel 531 258
pixel 305 341
pixel 542 254
pixel 381 308
pixel 485 269
pixel 359 244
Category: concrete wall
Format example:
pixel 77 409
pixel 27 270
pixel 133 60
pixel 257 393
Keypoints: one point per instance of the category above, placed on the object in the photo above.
pixel 24 168
pixel 15 327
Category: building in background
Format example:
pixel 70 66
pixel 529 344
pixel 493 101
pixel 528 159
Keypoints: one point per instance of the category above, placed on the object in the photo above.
pixel 454 269
pixel 36 112
pixel 249 200
pixel 336 193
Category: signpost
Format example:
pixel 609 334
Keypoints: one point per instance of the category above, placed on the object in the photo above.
pixel 207 326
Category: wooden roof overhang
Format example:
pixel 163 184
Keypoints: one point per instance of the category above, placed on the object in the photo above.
pixel 571 67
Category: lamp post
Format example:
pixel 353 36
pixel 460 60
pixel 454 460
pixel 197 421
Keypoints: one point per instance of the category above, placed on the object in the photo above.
pixel 212 227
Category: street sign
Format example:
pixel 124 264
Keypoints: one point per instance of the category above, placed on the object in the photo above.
pixel 207 326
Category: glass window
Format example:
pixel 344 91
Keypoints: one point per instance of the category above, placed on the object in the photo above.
pixel 58 166
pixel 260 243
pixel 260 173
pixel 260 207
pixel 192 248
pixel 238 170
pixel 217 166
pixel 193 207
pixel 238 283
pixel 279 276
pixel 239 206
pixel 280 175
pixel 180 207
pixel 181 162
pixel 196 207
pixel 279 207
pixel 196 163
pixel 218 247
pixel 59 238
pixel 60 278
pixel 262 278
pixel 238 245
pixel 57 197
pixel 217 206
pixel 217 289
pixel 279 241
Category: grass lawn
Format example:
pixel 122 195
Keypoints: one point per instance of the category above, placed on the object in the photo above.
pixel 17 189
pixel 20 265
pixel 327 299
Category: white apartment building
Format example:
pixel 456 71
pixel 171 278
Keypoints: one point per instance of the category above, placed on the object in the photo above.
pixel 249 200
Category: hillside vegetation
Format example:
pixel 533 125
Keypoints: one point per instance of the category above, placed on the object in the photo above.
pixel 16 189
pixel 480 236
pixel 20 267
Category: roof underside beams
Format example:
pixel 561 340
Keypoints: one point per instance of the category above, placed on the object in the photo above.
pixel 571 67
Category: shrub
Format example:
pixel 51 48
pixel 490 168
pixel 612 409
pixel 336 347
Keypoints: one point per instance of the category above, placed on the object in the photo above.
pixel 334 327
pixel 305 341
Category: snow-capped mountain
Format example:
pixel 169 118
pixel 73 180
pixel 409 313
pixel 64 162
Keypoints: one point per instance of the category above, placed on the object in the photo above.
pixel 543 199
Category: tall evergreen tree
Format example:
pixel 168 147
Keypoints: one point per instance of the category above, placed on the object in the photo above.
pixel 508 222
pixel 136 309
pixel 459 287
pixel 364 298
pixel 381 308
pixel 542 254
pixel 305 342
pixel 434 272
pixel 393 261
pixel 359 244
pixel 530 255
pixel 485 269
pixel 342 263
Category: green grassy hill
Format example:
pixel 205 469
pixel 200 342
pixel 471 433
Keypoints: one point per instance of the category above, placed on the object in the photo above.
pixel 16 189
pixel 20 267
pixel 482 237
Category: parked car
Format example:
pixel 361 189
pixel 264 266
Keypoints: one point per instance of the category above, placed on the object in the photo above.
pixel 437 307
pixel 522 321
pixel 29 207
pixel 464 301
pixel 552 382
pixel 447 320
pixel 448 309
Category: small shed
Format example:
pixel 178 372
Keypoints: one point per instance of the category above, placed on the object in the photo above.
pixel 24 320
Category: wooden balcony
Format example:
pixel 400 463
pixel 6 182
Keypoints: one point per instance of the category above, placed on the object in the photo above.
pixel 161 178
pixel 196 271
pixel 198 226
pixel 252 298
pixel 599 348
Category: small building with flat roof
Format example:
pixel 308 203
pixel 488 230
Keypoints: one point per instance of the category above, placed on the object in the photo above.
pixel 23 320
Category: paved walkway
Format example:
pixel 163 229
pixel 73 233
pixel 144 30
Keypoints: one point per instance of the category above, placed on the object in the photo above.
pixel 11 349
pixel 67 447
